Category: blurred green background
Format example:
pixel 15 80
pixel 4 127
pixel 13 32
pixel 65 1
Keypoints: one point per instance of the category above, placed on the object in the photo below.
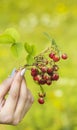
pixel 31 18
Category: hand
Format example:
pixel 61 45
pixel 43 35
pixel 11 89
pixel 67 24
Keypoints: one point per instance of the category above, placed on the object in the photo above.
pixel 18 101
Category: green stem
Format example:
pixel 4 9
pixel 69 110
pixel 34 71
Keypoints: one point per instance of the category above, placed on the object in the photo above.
pixel 42 90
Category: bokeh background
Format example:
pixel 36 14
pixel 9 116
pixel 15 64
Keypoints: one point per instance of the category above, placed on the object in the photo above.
pixel 31 18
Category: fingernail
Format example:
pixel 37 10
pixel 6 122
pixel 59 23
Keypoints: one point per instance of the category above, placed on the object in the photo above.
pixel 13 72
pixel 22 72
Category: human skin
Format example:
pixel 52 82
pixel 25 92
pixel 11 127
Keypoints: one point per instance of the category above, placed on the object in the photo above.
pixel 19 99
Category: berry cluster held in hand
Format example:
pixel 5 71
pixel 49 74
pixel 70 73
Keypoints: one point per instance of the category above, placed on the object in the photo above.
pixel 45 69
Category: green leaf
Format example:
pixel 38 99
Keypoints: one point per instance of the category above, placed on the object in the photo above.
pixel 48 36
pixel 6 39
pixel 53 42
pixel 30 59
pixel 33 50
pixel 13 33
pixel 14 49
pixel 50 39
pixel 17 49
pixel 30 49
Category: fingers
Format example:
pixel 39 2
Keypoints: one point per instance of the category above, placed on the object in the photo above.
pixel 22 100
pixel 18 102
pixel 2 103
pixel 28 104
pixel 14 91
pixel 25 99
pixel 4 87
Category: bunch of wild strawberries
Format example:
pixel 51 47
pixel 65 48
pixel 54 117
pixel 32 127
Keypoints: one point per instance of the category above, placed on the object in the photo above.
pixel 45 69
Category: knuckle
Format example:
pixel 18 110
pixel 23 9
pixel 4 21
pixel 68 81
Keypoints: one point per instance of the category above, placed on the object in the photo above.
pixel 23 97
pixel 7 119
pixel 29 97
pixel 14 95
pixel 16 122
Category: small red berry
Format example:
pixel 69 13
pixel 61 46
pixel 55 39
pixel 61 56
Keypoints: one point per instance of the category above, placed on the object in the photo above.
pixel 56 58
pixel 37 78
pixel 55 76
pixel 34 71
pixel 48 82
pixel 44 69
pixel 51 55
pixel 64 56
pixel 42 81
pixel 41 100
pixel 50 71
pixel 46 76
